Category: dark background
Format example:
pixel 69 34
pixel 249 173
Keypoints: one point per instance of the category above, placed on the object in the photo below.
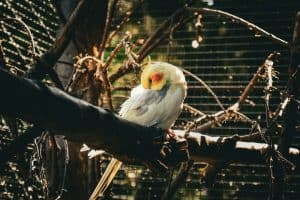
pixel 226 59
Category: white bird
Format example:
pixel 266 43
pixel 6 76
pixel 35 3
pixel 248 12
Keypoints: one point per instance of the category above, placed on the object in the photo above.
pixel 157 101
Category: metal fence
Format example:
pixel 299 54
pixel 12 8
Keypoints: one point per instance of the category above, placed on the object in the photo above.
pixel 226 59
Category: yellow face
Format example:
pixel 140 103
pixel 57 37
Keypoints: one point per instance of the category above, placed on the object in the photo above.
pixel 153 78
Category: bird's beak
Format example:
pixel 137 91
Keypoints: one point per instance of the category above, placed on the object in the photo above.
pixel 145 83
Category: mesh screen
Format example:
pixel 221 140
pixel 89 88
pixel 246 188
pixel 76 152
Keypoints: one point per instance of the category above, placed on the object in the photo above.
pixel 226 59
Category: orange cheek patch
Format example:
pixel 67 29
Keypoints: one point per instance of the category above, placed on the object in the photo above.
pixel 156 77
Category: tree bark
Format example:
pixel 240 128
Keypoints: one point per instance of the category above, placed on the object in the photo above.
pixel 54 110
pixel 290 115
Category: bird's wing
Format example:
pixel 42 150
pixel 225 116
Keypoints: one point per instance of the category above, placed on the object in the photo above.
pixel 138 108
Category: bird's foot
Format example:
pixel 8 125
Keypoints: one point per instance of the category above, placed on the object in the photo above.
pixel 171 134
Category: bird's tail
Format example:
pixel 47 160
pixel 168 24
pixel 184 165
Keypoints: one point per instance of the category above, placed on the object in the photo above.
pixel 106 178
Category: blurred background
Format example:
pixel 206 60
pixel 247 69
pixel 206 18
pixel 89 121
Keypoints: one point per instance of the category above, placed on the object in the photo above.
pixel 226 58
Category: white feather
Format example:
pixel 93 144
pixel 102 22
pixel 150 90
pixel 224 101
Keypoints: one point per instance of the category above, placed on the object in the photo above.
pixel 158 108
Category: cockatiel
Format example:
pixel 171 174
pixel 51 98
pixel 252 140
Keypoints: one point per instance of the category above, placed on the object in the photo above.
pixel 157 101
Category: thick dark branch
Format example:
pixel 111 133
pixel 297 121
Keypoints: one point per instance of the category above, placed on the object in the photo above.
pixel 210 149
pixel 160 33
pixel 61 113
pixel 57 111
pixel 45 63
pixel 290 117
pixel 57 5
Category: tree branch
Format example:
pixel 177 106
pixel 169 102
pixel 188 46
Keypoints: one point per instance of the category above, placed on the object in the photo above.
pixel 290 116
pixel 109 16
pixel 125 19
pixel 211 149
pixel 45 63
pixel 179 18
pixel 152 41
pixel 222 115
pixel 83 122
pixel 239 20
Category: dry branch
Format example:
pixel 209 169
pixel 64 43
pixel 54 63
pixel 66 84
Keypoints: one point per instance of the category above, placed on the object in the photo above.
pixel 175 21
pixel 193 110
pixel 206 87
pixel 102 69
pixel 217 119
pixel 152 41
pixel 239 20
pixel 222 115
pixel 109 16
pixel 290 116
pixel 210 149
pixel 106 84
pixel 83 122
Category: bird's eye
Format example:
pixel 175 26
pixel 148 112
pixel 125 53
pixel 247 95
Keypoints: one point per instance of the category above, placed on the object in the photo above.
pixel 156 77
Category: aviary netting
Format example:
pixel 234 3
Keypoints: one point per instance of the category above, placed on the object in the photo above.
pixel 92 81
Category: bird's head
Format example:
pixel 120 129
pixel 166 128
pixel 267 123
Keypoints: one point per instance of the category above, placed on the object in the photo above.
pixel 159 74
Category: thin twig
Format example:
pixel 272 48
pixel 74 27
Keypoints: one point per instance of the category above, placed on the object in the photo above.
pixel 109 16
pixel 77 72
pixel 102 69
pixel 221 115
pixel 28 31
pixel 205 86
pixel 106 85
pixel 269 74
pixel 86 58
pixel 176 18
pixel 116 50
pixel 152 41
pixel 192 109
pixel 239 20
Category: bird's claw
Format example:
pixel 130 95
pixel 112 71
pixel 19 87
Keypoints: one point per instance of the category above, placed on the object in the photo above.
pixel 173 150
